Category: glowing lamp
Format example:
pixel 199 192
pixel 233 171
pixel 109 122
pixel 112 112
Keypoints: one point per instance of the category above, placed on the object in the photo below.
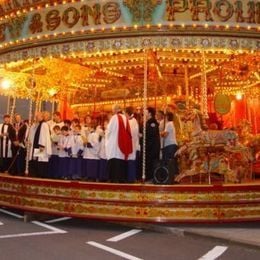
pixel 52 92
pixel 239 96
pixel 6 84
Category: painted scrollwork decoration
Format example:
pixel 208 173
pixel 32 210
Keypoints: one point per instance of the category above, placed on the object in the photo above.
pixel 142 10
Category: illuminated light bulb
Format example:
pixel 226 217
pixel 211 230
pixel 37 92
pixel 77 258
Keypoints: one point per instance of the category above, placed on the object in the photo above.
pixel 239 96
pixel 135 26
pixel 6 84
pixel 52 92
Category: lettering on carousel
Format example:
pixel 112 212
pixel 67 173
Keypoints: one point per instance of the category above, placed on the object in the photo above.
pixel 109 13
pixel 84 15
pixel 218 10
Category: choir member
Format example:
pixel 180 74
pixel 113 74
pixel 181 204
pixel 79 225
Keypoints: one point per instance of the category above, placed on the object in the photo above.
pixel 40 147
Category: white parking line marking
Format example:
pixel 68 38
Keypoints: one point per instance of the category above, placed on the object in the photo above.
pixel 113 251
pixel 214 253
pixel 53 229
pixel 11 213
pixel 1 223
pixel 124 235
pixel 57 220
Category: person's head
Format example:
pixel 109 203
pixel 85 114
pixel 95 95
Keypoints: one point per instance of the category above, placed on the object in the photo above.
pixel 129 111
pixel 57 116
pixel 160 115
pixel 150 112
pixel 67 123
pixel 116 108
pixel 105 124
pixel 65 130
pixel 7 119
pixel 56 129
pixel 77 129
pixel 46 116
pixel 17 118
pixel 169 116
pixel 99 130
pixel 88 120
pixel 75 122
pixel 38 116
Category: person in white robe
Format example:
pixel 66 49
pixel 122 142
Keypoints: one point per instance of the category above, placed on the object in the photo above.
pixel 54 159
pixel 103 173
pixel 117 158
pixel 91 157
pixel 5 144
pixel 65 153
pixel 77 148
pixel 40 147
pixel 132 162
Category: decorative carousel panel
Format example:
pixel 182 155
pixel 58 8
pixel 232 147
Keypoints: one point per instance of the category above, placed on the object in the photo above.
pixel 133 202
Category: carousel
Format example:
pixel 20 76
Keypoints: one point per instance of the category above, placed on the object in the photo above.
pixel 200 58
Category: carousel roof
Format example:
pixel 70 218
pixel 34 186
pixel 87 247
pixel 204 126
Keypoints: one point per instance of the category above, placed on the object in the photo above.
pixel 103 76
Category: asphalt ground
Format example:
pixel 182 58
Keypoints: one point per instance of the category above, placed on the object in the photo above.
pixel 63 238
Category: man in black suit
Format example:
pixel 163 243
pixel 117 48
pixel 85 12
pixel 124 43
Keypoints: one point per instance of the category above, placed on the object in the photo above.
pixel 152 143
pixel 6 130
pixel 18 137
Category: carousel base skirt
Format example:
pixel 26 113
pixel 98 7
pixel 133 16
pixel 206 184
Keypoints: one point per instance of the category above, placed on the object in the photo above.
pixel 133 202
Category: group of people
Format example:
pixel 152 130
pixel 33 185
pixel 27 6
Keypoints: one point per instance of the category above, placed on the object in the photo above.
pixel 65 149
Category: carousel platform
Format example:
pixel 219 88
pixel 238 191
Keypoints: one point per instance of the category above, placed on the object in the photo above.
pixel 187 203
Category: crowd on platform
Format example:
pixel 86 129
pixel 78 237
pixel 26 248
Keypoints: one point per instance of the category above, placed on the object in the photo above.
pixel 107 151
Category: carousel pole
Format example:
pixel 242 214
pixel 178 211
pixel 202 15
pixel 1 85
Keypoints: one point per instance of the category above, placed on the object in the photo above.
pixel 204 97
pixel 13 108
pixel 52 107
pixel 8 104
pixel 28 145
pixel 186 85
pixel 144 112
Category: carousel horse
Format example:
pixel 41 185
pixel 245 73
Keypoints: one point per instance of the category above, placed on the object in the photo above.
pixel 204 152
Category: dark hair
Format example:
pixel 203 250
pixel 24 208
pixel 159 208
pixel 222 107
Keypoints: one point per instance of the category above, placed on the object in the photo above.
pixel 152 111
pixel 57 113
pixel 169 116
pixel 160 112
pixel 129 110
pixel 7 116
pixel 65 128
pixel 56 127
pixel 67 122
pixel 75 120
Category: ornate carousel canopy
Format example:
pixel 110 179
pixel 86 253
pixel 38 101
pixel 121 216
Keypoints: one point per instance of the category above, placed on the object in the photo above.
pixel 94 52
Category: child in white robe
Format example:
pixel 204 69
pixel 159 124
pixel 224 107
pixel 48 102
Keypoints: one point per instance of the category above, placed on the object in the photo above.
pixel 75 167
pixel 54 159
pixel 91 157
pixel 65 152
